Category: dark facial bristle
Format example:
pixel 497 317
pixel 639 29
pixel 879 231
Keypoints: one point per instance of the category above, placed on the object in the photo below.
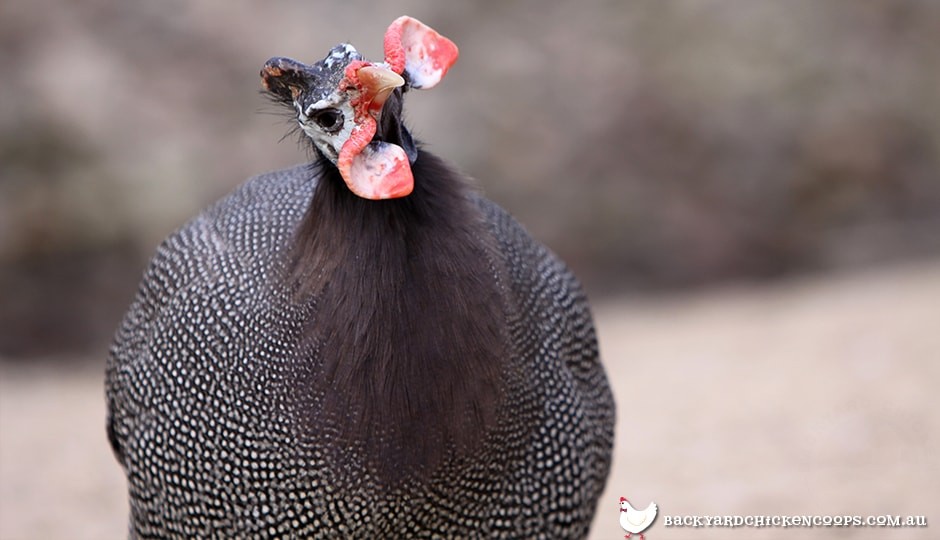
pixel 286 111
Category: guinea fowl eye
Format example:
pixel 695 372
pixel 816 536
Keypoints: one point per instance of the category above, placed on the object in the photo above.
pixel 330 120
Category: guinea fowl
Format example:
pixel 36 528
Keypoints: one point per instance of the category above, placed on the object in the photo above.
pixel 360 346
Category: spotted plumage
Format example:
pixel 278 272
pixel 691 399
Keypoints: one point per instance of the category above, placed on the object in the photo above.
pixel 300 362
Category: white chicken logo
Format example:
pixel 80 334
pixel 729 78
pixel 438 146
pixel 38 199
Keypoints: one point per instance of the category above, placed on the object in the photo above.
pixel 636 521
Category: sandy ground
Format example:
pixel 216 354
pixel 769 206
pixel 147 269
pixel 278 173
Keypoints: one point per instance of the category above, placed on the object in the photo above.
pixel 811 397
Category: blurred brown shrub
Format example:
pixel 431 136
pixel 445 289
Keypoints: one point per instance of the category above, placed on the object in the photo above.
pixel 653 145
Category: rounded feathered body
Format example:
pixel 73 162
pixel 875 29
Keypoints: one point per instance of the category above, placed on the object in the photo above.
pixel 246 399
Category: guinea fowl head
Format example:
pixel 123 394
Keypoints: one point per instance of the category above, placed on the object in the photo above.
pixel 351 108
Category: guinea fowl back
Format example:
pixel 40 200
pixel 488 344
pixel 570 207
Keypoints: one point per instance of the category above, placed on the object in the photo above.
pixel 303 362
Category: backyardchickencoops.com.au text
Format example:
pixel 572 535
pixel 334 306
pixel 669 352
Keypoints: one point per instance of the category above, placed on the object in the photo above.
pixel 795 521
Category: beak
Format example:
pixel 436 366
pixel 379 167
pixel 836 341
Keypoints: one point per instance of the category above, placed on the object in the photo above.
pixel 374 169
pixel 377 84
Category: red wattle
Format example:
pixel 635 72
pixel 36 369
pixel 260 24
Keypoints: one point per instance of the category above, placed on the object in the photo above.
pixel 359 138
pixel 413 47
pixel 374 171
pixel 394 52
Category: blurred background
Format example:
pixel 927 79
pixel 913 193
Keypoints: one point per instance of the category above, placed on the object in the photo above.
pixel 750 192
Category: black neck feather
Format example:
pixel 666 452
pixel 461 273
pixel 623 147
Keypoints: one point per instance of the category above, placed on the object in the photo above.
pixel 408 323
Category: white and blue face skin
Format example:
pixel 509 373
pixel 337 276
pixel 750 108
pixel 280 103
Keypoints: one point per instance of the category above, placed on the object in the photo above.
pixel 330 120
pixel 341 113
pixel 324 105
pixel 343 116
